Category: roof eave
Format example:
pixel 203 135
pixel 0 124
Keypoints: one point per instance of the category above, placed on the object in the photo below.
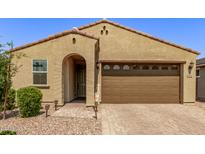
pixel 200 65
pixel 54 37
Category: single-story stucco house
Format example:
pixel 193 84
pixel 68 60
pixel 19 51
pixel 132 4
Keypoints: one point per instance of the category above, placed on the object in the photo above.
pixel 200 78
pixel 106 62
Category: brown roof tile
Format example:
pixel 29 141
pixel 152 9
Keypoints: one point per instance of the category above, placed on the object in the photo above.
pixel 54 37
pixel 200 61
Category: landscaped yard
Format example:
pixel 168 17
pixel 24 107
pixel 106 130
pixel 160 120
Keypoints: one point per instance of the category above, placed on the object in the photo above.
pixel 52 125
pixel 114 119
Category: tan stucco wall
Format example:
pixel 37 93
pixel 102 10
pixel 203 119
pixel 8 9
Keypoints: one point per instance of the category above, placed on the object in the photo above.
pixel 55 51
pixel 121 44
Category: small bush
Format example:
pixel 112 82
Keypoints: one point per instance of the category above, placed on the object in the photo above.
pixel 1 98
pixel 7 132
pixel 10 101
pixel 29 101
pixel 1 106
pixel 1 94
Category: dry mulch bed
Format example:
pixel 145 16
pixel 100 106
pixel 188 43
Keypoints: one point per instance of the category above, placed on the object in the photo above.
pixel 40 125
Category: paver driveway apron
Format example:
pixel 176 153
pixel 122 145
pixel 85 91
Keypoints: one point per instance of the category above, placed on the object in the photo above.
pixel 152 119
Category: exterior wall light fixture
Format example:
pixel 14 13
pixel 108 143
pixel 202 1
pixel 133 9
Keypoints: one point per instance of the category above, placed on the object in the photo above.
pixel 191 65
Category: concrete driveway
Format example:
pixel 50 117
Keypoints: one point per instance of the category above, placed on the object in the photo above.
pixel 153 118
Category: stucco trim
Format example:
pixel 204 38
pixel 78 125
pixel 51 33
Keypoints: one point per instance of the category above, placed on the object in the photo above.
pixel 55 37
pixel 143 61
pixel 139 33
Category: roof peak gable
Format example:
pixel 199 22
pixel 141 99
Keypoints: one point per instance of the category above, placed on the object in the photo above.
pixel 104 20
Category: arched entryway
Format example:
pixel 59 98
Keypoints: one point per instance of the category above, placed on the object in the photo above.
pixel 74 78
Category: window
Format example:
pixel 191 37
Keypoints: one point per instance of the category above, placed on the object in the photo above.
pixel 164 68
pixel 145 67
pixel 197 73
pixel 155 67
pixel 116 67
pixel 40 71
pixel 106 67
pixel 135 67
pixel 174 67
pixel 126 67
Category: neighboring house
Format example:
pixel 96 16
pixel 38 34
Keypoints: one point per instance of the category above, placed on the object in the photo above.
pixel 200 78
pixel 108 63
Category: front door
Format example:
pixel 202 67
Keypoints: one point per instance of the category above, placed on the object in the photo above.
pixel 81 81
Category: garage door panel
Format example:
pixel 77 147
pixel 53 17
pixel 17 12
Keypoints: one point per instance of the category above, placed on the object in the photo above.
pixel 140 89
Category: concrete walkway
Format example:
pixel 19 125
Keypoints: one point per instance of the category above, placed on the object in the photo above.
pixel 76 109
pixel 153 119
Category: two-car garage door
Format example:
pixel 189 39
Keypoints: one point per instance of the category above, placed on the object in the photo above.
pixel 140 83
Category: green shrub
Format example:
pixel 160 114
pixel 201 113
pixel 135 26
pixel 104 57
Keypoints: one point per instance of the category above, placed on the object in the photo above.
pixel 1 94
pixel 10 102
pixel 11 99
pixel 29 101
pixel 7 132
pixel 1 106
pixel 1 87
pixel 1 98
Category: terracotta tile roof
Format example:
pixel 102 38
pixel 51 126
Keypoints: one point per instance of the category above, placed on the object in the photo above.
pixel 93 37
pixel 200 62
pixel 54 37
pixel 138 32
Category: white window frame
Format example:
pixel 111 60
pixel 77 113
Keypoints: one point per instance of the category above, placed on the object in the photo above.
pixel 40 71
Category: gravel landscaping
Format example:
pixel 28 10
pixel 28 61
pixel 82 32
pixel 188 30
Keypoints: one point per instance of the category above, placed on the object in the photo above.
pixel 118 119
pixel 52 125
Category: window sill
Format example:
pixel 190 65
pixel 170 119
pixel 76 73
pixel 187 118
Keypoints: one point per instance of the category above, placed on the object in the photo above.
pixel 41 86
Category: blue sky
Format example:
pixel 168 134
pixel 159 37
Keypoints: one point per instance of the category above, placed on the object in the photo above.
pixel 186 32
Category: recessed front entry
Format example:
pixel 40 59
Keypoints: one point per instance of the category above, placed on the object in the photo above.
pixel 74 78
